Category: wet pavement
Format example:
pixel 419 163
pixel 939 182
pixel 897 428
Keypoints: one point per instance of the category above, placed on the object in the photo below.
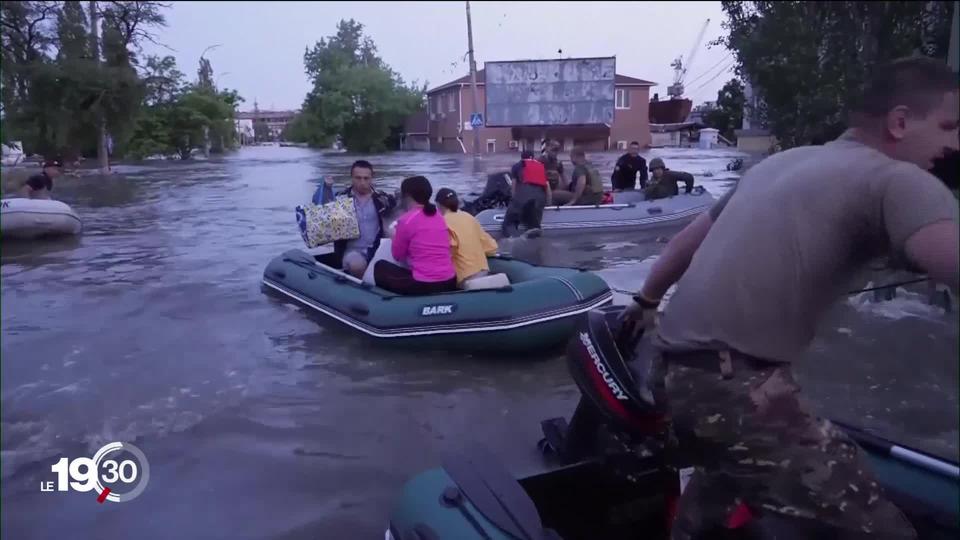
pixel 261 423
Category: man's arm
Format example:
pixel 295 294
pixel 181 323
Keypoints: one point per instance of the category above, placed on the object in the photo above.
pixel 687 179
pixel 676 256
pixel 920 217
pixel 549 195
pixel 581 184
pixel 643 173
pixel 936 249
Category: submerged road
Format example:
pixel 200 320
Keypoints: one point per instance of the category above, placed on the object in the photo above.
pixel 261 423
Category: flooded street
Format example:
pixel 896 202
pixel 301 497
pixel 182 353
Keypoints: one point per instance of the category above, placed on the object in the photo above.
pixel 261 423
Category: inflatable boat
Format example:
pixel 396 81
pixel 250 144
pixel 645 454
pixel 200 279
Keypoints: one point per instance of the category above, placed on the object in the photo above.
pixel 609 474
pixel 33 218
pixel 629 210
pixel 536 310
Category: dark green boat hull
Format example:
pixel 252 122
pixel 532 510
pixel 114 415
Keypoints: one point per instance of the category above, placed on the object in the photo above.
pixel 537 312
pixel 586 500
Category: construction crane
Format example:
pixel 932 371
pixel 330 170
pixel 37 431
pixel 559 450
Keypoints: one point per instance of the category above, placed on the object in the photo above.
pixel 675 90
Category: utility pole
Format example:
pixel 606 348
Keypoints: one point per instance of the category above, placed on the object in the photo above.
pixel 102 157
pixel 473 84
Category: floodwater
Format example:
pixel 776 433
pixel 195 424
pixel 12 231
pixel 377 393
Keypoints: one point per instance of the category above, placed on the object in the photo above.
pixel 259 422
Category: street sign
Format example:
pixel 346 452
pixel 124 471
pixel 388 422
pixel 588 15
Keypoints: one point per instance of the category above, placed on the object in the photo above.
pixel 476 120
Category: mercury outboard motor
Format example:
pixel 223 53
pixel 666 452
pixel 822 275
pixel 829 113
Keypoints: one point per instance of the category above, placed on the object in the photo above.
pixel 615 392
pixel 622 422
pixel 496 194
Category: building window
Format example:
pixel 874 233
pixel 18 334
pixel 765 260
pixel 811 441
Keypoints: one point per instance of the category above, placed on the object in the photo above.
pixel 621 145
pixel 491 146
pixel 451 102
pixel 623 98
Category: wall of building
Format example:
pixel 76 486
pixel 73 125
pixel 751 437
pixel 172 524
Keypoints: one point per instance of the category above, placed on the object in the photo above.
pixel 633 124
pixel 446 125
pixel 418 143
pixel 755 143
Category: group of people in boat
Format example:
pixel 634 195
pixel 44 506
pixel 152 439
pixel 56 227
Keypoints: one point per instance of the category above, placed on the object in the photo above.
pixel 541 182
pixel 434 245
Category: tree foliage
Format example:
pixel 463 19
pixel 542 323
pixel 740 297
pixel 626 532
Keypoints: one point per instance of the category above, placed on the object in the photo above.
pixel 52 88
pixel 808 60
pixel 355 94
pixel 728 114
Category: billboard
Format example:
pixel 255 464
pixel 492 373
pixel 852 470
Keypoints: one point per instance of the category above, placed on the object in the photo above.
pixel 573 91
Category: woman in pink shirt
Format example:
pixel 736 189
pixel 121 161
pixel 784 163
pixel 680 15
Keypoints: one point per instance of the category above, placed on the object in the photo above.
pixel 422 240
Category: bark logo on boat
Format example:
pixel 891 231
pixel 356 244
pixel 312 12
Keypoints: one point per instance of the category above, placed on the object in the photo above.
pixel 602 368
pixel 6 204
pixel 441 309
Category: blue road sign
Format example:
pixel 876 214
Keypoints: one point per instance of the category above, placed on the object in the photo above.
pixel 476 120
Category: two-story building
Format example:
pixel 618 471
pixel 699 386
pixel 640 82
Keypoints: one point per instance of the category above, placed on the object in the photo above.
pixel 450 106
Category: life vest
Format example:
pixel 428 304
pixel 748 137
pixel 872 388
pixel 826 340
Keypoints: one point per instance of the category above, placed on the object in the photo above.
pixel 534 173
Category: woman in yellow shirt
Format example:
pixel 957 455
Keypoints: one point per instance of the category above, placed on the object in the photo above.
pixel 471 244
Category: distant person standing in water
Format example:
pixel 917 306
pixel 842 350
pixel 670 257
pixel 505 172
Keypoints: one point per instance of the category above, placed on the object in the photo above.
pixel 39 186
pixel 629 168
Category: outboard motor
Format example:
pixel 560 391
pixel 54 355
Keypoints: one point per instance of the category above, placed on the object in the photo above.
pixel 617 421
pixel 615 394
pixel 496 194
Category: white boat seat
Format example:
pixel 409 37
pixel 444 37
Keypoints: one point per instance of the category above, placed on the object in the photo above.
pixel 492 281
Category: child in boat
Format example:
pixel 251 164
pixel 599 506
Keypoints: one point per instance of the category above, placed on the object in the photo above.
pixel 470 243
pixel 422 240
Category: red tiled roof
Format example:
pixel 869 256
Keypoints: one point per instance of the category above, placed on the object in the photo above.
pixel 619 80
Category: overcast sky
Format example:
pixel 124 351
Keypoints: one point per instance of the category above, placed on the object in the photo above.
pixel 262 43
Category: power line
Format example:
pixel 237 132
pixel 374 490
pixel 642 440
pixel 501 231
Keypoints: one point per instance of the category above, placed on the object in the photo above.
pixel 719 73
pixel 722 60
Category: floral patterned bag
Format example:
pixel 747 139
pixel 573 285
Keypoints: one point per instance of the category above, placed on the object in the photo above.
pixel 322 224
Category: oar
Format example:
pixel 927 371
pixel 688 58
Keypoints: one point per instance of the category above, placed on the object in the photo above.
pixel 883 446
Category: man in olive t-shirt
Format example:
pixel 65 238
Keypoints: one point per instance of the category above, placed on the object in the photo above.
pixel 754 277
pixel 586 186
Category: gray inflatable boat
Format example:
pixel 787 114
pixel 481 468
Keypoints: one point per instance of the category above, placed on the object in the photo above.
pixel 629 211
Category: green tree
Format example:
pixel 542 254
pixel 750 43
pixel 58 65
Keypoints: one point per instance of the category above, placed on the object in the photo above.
pixel 355 94
pixel 728 114
pixel 51 88
pixel 205 76
pixel 75 131
pixel 26 37
pixel 807 60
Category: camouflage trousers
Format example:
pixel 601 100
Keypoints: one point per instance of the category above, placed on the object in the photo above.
pixel 752 440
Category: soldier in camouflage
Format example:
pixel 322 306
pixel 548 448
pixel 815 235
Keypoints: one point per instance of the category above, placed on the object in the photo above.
pixel 754 277
pixel 745 423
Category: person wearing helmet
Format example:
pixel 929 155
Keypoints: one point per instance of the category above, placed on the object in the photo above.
pixel 755 276
pixel 664 182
